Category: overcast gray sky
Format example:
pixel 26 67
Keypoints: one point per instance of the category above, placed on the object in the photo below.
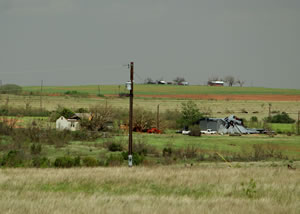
pixel 67 42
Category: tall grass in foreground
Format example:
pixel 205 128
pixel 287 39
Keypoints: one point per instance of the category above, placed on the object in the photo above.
pixel 206 188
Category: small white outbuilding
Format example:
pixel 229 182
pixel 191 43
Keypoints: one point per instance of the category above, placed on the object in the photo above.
pixel 67 124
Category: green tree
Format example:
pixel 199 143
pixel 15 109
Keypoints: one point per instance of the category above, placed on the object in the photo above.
pixel 190 114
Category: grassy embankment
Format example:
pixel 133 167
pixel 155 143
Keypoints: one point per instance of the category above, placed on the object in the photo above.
pixel 204 188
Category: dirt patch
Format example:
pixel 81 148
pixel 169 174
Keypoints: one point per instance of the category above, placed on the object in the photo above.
pixel 227 97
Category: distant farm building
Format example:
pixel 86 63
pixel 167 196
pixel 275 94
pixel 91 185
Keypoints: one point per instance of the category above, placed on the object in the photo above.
pixel 67 124
pixel 162 82
pixel 216 83
pixel 72 123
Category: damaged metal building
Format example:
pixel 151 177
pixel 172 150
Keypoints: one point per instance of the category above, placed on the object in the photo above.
pixel 227 125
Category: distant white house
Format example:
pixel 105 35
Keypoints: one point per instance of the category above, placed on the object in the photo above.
pixel 216 83
pixel 67 124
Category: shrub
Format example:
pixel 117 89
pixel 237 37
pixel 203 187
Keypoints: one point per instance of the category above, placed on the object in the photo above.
pixel 167 151
pixel 280 118
pixel 10 89
pixel 195 131
pixel 13 158
pixel 90 162
pixel 41 162
pixel 113 146
pixel 100 95
pixel 249 189
pixel 57 138
pixel 66 162
pixel 137 159
pixel 76 93
pixel 258 152
pixel 190 151
pixel 35 149
pixel 114 159
pixel 253 119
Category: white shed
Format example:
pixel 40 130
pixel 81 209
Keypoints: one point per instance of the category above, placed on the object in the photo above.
pixel 67 124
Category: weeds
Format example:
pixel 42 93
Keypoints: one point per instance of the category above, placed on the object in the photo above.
pixel 249 189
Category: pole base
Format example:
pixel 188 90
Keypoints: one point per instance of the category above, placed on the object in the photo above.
pixel 130 160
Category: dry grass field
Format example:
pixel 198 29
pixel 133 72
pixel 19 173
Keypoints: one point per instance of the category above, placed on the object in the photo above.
pixel 204 188
pixel 217 108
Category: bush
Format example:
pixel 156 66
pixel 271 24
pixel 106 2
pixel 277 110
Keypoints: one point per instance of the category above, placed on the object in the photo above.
pixel 190 151
pixel 143 148
pixel 84 135
pixel 114 159
pixel 280 118
pixel 89 162
pixel 76 93
pixel 41 162
pixel 57 138
pixel 253 119
pixel 35 149
pixel 195 131
pixel 113 146
pixel 137 159
pixel 10 89
pixel 13 158
pixel 66 162
pixel 167 151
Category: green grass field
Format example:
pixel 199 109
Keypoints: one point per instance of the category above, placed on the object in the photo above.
pixel 142 89
pixel 288 145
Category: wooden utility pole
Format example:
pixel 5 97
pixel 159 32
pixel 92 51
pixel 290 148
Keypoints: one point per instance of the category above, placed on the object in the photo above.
pixel 41 101
pixel 130 116
pixel 298 123
pixel 270 105
pixel 157 118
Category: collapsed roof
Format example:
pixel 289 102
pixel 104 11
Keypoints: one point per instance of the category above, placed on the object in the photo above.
pixel 227 125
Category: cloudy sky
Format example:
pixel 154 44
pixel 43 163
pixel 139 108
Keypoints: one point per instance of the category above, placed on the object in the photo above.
pixel 67 42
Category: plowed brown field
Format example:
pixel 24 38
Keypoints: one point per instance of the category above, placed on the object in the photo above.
pixel 228 97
